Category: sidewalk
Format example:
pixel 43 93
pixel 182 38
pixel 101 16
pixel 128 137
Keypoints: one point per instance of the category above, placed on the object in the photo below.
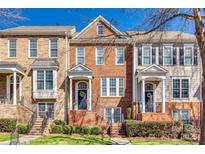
pixel 23 140
pixel 120 141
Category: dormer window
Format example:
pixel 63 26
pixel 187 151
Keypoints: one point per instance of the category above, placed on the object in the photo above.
pixel 100 29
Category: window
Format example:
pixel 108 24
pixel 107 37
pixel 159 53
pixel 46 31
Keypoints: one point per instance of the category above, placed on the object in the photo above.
pixel 53 47
pixel 167 55
pixel 46 108
pixel 181 115
pixel 44 80
pixel 81 56
pixel 112 86
pixel 12 48
pixel 33 48
pixel 120 56
pixel 113 114
pixel 100 29
pixel 146 55
pixel 188 55
pixel 180 88
pixel 100 55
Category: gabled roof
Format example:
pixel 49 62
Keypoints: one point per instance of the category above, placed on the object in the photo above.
pixel 154 68
pixel 102 19
pixel 39 30
pixel 44 63
pixel 80 70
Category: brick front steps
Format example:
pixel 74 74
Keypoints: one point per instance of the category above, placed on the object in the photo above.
pixel 151 116
pixel 117 129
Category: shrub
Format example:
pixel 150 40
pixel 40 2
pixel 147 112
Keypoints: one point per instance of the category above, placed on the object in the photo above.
pixel 67 129
pixel 129 112
pixel 76 129
pixel 96 130
pixel 86 130
pixel 187 130
pixel 169 129
pixel 23 128
pixel 56 129
pixel 59 122
pixel 7 124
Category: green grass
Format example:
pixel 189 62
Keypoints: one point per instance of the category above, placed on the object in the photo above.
pixel 6 136
pixel 152 141
pixel 71 140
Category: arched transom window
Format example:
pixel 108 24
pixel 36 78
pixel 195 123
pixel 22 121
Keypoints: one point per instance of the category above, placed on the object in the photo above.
pixel 82 86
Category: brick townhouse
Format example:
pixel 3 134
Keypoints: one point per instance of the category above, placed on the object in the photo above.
pixel 91 77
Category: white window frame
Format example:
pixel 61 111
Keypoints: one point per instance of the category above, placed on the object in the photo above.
pixel 171 46
pixel 96 56
pixel 181 78
pixel 189 46
pixel 98 29
pixel 29 49
pixel 180 113
pixel 50 47
pixel 145 46
pixel 108 87
pixel 9 47
pixel 76 53
pixel 46 107
pixel 112 113
pixel 116 52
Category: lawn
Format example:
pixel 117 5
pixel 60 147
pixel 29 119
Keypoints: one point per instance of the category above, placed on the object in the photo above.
pixel 6 136
pixel 71 140
pixel 154 141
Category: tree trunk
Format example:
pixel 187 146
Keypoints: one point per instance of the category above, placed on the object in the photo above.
pixel 201 42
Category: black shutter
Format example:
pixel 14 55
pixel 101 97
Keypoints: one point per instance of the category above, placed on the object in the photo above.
pixel 174 56
pixel 181 55
pixel 139 55
pixel 160 55
pixel 195 56
pixel 153 55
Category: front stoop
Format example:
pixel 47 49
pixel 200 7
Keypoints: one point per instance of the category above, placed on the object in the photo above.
pixel 117 130
pixel 152 116
pixel 37 127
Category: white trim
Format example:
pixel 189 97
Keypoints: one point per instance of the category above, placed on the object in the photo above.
pixel 46 107
pixel 49 47
pixel 171 46
pixel 154 65
pixel 29 50
pixel 9 47
pixel 112 113
pixel 81 66
pixel 76 53
pixel 103 29
pixel 95 20
pixel 96 55
pixel 192 58
pixel 116 49
pixel 179 112
pixel 144 46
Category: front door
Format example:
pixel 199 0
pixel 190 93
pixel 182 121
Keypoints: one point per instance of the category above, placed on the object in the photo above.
pixel 82 99
pixel 113 114
pixel 46 108
pixel 149 98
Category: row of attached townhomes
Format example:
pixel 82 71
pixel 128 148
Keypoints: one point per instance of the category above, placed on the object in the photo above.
pixel 91 77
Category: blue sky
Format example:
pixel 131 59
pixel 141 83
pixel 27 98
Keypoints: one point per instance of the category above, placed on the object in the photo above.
pixel 123 19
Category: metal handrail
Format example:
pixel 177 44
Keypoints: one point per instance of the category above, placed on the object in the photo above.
pixel 33 119
pixel 45 121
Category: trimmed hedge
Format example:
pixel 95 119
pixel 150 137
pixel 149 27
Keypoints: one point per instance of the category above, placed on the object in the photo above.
pixel 129 113
pixel 23 128
pixel 59 122
pixel 56 129
pixel 168 129
pixel 96 130
pixel 67 129
pixel 76 129
pixel 187 130
pixel 7 124
pixel 86 130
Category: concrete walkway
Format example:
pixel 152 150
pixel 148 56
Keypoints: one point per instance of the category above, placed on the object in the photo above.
pixel 23 140
pixel 120 141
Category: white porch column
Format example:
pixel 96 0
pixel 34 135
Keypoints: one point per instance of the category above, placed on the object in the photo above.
pixel 71 94
pixel 90 95
pixel 14 88
pixel 143 96
pixel 163 96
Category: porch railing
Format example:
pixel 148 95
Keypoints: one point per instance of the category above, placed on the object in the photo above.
pixel 33 119
pixel 45 121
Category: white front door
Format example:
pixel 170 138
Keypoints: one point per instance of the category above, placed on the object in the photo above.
pixel 113 114
pixel 46 108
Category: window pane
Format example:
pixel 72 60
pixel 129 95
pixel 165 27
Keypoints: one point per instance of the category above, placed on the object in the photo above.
pixel 33 47
pixel 80 56
pixel 108 114
pixel 185 88
pixel 185 116
pixel 104 87
pixel 100 55
pixel 53 47
pixel 100 29
pixel 12 48
pixel 49 79
pixel 120 56
pixel 167 55
pixel 112 86
pixel 176 88
pixel 188 55
pixel 116 115
pixel 176 115
pixel 121 87
pixel 40 80
pixel 146 55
